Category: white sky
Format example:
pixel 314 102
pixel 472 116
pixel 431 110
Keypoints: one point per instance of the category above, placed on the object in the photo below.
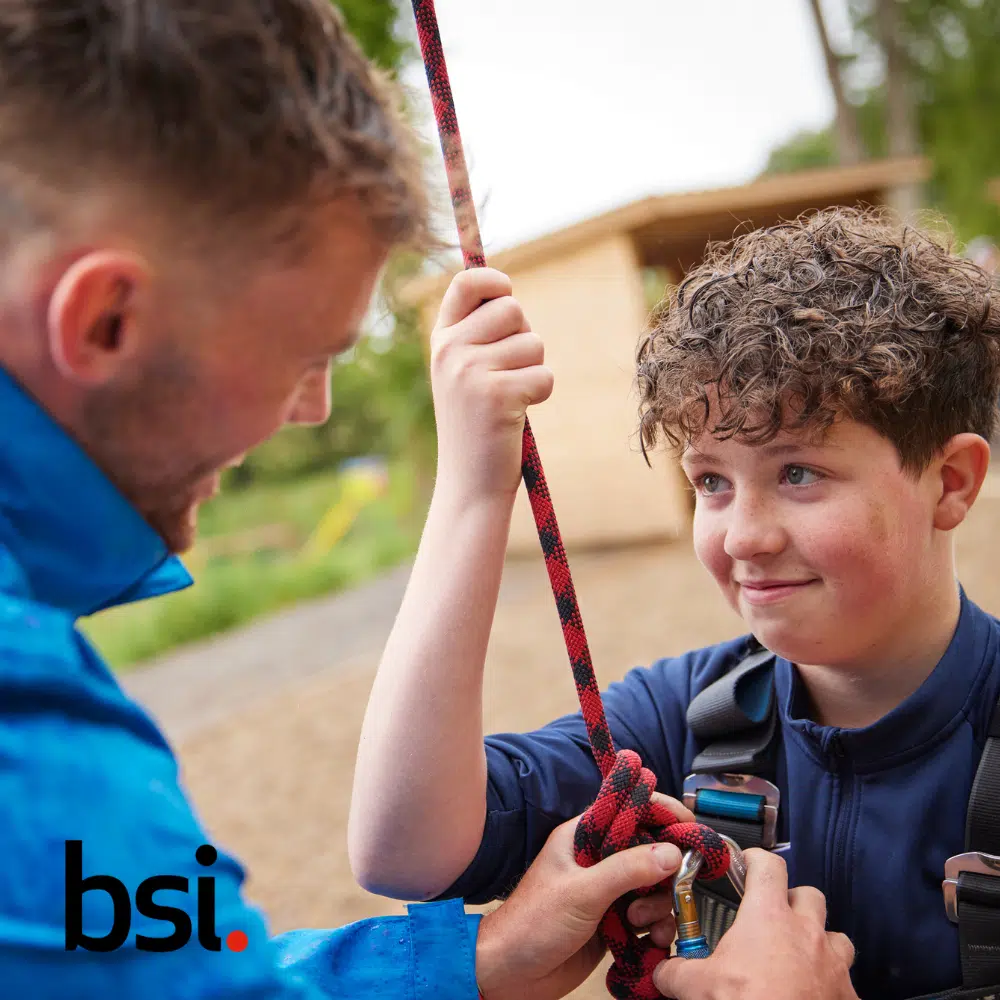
pixel 571 107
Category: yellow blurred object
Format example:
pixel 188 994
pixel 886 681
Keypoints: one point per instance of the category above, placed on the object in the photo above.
pixel 361 484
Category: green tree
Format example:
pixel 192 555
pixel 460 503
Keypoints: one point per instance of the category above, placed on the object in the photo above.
pixel 375 24
pixel 942 67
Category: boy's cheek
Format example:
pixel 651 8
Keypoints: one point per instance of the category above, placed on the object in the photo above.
pixel 709 548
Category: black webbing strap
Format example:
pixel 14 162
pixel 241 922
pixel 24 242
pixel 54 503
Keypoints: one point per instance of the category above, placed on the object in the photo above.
pixel 745 834
pixel 961 993
pixel 978 895
pixel 738 714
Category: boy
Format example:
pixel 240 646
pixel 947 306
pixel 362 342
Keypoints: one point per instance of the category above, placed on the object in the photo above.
pixel 830 385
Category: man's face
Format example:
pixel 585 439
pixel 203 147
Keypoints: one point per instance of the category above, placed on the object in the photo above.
pixel 824 547
pixel 216 372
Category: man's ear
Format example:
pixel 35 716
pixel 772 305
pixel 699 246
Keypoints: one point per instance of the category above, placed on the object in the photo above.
pixel 91 316
pixel 961 468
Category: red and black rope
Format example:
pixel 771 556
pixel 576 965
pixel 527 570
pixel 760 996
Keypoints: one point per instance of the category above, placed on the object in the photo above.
pixel 622 815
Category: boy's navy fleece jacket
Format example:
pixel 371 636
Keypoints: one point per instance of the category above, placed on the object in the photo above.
pixel 872 814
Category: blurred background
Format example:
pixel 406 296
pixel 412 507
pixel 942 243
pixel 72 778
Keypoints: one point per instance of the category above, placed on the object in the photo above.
pixel 607 143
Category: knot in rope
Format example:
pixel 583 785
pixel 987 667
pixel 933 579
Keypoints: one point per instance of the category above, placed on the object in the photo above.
pixel 624 816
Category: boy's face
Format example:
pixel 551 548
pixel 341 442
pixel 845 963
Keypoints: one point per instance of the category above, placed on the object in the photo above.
pixel 826 548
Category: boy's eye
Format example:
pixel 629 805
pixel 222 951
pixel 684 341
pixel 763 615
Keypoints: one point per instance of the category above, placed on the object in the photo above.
pixel 709 483
pixel 798 475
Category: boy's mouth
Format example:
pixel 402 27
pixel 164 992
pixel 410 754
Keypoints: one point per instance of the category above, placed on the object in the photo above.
pixel 771 591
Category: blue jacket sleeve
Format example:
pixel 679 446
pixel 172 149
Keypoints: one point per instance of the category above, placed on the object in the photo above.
pixel 541 779
pixel 80 763
pixel 427 955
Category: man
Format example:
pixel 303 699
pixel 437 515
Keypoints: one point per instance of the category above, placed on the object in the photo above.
pixel 196 201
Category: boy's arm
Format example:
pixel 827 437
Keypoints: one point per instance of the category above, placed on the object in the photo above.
pixel 419 797
pixel 539 779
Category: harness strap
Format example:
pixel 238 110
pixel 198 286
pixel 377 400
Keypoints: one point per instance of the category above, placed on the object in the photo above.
pixel 977 894
pixel 737 717
pixel 982 823
pixel 963 993
pixel 738 713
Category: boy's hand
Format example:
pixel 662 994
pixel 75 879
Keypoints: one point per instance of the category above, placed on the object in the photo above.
pixel 486 370
pixel 542 942
pixel 777 949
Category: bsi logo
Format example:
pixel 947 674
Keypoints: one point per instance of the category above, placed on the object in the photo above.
pixel 77 885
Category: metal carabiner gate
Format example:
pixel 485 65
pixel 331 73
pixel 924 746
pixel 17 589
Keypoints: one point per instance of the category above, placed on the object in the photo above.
pixel 691 942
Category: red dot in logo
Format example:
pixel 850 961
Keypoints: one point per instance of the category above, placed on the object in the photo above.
pixel 236 941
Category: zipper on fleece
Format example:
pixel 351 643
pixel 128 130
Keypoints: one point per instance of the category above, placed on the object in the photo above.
pixel 839 867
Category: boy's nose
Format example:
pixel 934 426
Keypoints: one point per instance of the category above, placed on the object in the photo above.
pixel 312 400
pixel 754 529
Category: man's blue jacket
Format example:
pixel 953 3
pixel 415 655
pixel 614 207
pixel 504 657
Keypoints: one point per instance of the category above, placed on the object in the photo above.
pixel 80 761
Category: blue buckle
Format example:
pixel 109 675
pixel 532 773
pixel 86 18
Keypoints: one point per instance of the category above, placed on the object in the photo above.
pixel 743 797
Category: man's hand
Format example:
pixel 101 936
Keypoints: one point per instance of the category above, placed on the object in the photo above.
pixel 542 942
pixel 486 370
pixel 777 949
pixel 655 913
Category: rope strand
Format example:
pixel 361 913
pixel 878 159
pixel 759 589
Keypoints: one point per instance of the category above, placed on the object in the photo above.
pixel 622 815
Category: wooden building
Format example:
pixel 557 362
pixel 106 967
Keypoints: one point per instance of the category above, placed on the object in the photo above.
pixel 587 290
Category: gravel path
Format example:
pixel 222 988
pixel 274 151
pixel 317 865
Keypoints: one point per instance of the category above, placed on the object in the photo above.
pixel 266 721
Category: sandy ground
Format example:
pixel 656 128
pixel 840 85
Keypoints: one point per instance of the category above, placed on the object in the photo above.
pixel 266 721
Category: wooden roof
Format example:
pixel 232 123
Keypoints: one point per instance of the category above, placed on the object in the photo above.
pixel 679 225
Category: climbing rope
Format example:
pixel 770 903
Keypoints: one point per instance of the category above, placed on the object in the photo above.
pixel 622 816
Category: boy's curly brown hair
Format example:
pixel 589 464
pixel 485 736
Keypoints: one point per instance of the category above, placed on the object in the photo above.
pixel 841 313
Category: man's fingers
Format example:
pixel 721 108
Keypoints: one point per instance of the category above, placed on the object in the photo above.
pixel 767 880
pixel 636 868
pixel 468 290
pixel 679 977
pixel 806 900
pixel 663 932
pixel 648 910
pixel 841 944
pixel 678 808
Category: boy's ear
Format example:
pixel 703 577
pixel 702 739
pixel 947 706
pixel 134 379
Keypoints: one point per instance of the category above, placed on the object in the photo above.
pixel 91 315
pixel 961 468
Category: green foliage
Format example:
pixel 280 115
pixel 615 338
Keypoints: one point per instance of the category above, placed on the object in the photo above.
pixel 951 48
pixel 373 23
pixel 805 150
pixel 230 591
pixel 960 106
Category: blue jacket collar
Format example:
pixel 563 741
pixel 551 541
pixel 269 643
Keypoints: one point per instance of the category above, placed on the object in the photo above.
pixel 68 537
pixel 953 691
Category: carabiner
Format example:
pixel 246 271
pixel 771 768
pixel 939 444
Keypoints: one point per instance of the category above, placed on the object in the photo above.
pixel 691 942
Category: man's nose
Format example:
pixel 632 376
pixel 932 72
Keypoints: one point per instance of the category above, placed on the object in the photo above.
pixel 754 529
pixel 312 400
